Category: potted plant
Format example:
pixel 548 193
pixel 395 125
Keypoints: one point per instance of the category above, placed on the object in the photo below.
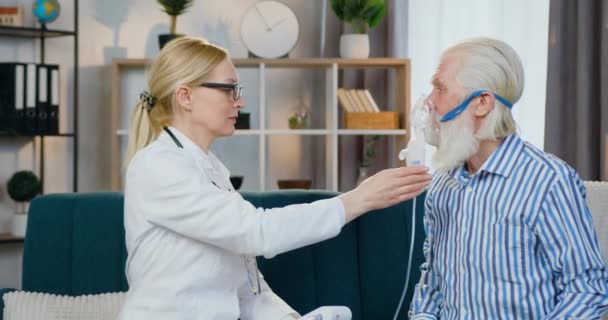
pixel 173 8
pixel 369 153
pixel 22 187
pixel 361 14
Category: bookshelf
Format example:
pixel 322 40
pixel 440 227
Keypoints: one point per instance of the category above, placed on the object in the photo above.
pixel 329 133
pixel 42 34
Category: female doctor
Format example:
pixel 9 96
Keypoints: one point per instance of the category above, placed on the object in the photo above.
pixel 191 239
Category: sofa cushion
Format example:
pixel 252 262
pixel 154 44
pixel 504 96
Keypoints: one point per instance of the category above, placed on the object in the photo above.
pixel 75 244
pixel 384 245
pixel 21 305
pixel 326 273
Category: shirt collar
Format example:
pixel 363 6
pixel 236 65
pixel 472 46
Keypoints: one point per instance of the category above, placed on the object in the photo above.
pixel 501 162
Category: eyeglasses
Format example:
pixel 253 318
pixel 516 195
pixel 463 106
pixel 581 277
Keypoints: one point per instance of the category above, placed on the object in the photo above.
pixel 236 88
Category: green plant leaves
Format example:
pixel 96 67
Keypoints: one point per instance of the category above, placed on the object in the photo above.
pixel 23 186
pixel 175 7
pixel 354 11
pixel 374 14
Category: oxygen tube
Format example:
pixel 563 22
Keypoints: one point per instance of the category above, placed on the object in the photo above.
pixel 414 155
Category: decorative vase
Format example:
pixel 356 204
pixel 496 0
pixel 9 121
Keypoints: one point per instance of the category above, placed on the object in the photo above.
pixel 355 46
pixel 163 39
pixel 242 121
pixel 362 175
pixel 19 224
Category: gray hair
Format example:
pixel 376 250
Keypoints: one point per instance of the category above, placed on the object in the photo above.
pixel 492 65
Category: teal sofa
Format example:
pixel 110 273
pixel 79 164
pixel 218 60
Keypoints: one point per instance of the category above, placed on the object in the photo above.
pixel 75 246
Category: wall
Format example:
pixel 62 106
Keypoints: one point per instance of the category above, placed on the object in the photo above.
pixel 114 28
pixel 435 25
pixel 122 28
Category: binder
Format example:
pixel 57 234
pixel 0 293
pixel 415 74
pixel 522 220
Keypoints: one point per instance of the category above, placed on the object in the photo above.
pixel 30 120
pixel 42 98
pixel 12 95
pixel 53 82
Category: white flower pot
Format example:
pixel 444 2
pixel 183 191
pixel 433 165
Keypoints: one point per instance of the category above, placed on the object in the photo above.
pixel 355 46
pixel 19 225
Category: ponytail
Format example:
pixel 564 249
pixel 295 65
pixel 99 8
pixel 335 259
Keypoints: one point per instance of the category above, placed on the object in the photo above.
pixel 140 131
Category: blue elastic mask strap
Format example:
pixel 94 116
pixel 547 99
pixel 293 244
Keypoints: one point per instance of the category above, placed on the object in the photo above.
pixel 461 107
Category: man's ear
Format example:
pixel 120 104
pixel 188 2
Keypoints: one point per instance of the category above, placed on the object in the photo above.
pixel 183 97
pixel 485 103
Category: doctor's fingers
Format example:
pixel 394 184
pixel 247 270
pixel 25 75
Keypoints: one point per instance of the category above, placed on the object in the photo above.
pixel 408 171
pixel 406 193
pixel 399 182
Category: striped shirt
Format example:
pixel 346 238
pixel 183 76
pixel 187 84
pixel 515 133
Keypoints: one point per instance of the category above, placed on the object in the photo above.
pixel 513 241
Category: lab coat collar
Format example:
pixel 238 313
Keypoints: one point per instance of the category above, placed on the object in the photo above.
pixel 208 159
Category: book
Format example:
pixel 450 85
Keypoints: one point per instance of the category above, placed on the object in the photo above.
pixel 42 99
pixel 371 101
pixel 12 96
pixel 11 16
pixel 364 100
pixel 345 101
pixel 30 120
pixel 360 103
pixel 53 83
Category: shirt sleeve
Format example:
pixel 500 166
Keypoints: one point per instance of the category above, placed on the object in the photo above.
pixel 171 192
pixel 427 301
pixel 571 248
pixel 264 306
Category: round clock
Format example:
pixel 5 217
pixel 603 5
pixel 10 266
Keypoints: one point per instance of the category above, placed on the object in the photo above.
pixel 270 29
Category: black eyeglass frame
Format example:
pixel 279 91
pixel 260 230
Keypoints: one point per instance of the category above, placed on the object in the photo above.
pixel 237 89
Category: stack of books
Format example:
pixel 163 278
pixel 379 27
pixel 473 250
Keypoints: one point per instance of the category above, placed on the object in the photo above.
pixel 357 100
pixel 362 112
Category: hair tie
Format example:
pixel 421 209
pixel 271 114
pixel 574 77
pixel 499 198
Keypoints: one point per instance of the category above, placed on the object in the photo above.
pixel 148 99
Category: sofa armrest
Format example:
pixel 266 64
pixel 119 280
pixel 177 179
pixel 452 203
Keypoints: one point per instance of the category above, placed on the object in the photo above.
pixel 2 292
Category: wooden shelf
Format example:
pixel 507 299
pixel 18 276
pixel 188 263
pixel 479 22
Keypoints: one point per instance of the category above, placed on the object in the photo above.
pixel 330 131
pixel 27 32
pixel 10 238
pixel 292 63
pixel 65 135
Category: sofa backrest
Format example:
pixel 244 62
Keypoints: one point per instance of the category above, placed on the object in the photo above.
pixel 363 268
pixel 75 245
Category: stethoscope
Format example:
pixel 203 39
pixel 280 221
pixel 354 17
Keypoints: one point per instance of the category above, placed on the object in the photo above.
pixel 248 260
pixel 179 144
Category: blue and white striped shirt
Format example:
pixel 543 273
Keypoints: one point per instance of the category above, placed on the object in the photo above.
pixel 513 241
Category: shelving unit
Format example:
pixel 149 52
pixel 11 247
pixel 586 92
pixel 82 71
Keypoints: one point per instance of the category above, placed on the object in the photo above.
pixel 42 34
pixel 329 133
pixel 10 238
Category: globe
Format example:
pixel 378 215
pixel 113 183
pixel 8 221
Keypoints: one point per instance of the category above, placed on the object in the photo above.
pixel 46 11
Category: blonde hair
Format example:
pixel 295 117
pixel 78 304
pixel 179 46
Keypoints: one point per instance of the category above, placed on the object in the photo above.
pixel 493 65
pixel 183 61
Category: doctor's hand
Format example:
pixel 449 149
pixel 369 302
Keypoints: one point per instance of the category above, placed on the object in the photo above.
pixel 384 189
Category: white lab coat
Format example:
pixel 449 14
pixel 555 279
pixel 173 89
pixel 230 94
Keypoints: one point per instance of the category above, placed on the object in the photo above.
pixel 187 234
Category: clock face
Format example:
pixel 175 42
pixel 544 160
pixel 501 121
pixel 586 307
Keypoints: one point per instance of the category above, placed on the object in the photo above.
pixel 269 29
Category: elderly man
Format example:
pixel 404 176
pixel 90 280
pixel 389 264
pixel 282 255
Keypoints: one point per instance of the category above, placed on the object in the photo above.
pixel 509 235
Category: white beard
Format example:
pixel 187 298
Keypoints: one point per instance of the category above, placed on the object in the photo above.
pixel 457 143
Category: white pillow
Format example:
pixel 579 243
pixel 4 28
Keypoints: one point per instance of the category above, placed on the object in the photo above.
pixel 22 305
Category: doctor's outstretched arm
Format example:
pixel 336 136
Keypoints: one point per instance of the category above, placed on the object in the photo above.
pixel 191 205
pixel 384 189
